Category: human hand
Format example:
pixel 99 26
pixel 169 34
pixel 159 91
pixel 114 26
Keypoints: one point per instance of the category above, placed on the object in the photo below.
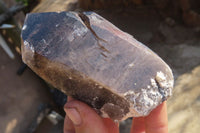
pixel 80 118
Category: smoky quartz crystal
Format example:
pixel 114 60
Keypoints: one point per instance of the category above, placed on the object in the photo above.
pixel 88 58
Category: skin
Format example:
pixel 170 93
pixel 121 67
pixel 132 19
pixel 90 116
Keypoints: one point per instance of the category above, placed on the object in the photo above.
pixel 80 118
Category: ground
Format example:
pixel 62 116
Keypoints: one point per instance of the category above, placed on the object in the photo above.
pixel 21 96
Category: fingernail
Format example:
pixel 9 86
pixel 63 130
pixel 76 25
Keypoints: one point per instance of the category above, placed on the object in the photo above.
pixel 74 116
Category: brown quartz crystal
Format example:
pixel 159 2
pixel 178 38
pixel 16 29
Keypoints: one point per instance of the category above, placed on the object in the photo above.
pixel 88 58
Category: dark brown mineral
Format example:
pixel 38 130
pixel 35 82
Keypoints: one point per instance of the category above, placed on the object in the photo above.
pixel 90 59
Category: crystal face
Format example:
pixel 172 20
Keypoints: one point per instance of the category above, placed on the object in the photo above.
pixel 90 59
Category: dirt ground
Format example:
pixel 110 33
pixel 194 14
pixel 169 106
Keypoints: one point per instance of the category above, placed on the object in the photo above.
pixel 20 96
pixel 176 43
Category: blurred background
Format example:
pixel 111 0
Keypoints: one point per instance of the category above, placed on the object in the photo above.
pixel 171 28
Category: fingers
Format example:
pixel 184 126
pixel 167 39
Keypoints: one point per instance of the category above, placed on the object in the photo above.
pixel 156 121
pixel 68 125
pixel 86 120
pixel 138 125
pixel 81 118
pixel 111 126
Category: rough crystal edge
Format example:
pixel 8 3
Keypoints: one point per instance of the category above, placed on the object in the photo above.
pixel 142 103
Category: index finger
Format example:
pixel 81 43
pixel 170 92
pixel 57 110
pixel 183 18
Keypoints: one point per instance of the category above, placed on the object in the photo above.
pixel 156 121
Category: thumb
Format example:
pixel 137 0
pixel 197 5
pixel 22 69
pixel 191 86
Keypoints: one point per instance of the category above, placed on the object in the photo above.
pixel 85 119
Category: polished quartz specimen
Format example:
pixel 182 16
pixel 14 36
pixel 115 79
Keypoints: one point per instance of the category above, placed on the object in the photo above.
pixel 88 58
